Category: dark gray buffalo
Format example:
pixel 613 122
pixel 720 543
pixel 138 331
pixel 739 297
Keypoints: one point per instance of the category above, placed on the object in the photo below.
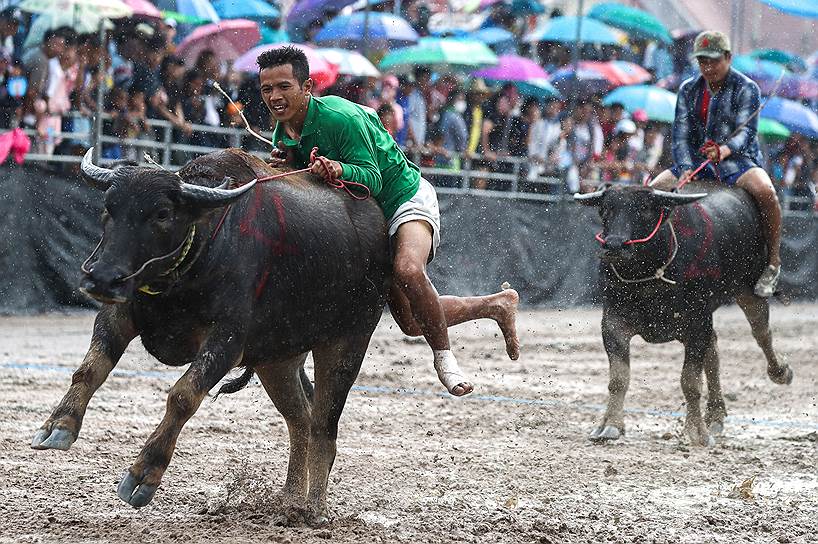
pixel 219 278
pixel 668 260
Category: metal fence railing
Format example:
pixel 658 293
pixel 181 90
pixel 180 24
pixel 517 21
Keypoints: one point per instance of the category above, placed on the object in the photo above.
pixel 506 177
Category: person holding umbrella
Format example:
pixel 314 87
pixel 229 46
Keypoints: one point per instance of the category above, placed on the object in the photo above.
pixel 716 121
pixel 357 148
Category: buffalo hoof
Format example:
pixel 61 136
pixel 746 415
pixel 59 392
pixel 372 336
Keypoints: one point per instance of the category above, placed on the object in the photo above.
pixel 605 433
pixel 135 492
pixel 53 439
pixel 296 516
pixel 715 429
pixel 701 438
pixel 782 377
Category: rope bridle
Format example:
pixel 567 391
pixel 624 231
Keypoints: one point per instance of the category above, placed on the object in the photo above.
pixel 178 255
pixel 660 272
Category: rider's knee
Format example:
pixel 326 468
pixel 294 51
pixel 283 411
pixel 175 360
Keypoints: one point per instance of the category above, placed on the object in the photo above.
pixel 407 271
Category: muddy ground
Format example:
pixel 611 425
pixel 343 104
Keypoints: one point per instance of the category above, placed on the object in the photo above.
pixel 509 464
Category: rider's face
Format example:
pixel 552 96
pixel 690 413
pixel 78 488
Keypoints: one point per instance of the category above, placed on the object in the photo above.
pixel 714 70
pixel 282 93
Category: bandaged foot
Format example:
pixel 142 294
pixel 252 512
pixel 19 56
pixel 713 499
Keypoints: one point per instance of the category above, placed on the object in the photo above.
pixel 450 375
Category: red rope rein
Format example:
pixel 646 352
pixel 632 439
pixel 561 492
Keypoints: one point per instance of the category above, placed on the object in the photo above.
pixel 332 180
pixel 601 240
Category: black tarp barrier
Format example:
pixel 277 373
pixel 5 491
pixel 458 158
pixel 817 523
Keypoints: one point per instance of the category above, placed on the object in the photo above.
pixel 50 222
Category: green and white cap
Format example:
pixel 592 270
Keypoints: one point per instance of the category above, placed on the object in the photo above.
pixel 712 44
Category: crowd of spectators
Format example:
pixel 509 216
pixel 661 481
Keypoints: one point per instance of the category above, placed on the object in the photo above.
pixel 446 121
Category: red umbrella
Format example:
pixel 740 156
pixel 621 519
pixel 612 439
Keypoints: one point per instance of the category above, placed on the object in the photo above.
pixel 228 39
pixel 322 72
pixel 144 8
pixel 617 72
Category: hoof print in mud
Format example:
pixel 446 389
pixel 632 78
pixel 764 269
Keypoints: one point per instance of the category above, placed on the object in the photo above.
pixel 135 493
pixel 54 439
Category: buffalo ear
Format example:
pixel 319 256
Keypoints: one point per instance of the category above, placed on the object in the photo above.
pixel 666 198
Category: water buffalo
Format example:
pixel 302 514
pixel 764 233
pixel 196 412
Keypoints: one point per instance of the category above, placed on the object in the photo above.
pixel 217 278
pixel 668 260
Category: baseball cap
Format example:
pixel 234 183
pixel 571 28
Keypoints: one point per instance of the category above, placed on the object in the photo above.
pixel 712 44
pixel 625 126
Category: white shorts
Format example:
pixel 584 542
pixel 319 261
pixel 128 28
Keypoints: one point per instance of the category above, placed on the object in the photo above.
pixel 421 207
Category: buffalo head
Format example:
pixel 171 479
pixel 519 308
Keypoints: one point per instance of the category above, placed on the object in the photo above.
pixel 149 226
pixel 631 213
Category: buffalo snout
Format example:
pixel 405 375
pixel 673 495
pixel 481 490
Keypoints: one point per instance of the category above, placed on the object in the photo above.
pixel 107 284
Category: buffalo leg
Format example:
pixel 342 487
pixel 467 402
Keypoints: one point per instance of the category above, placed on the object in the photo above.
pixel 336 367
pixel 716 411
pixel 282 381
pixel 617 345
pixel 757 311
pixel 221 352
pixel 696 349
pixel 112 334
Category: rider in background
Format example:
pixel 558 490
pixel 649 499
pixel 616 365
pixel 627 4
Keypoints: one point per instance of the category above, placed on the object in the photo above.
pixel 709 109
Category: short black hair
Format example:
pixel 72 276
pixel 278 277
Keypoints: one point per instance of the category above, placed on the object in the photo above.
pixel 286 55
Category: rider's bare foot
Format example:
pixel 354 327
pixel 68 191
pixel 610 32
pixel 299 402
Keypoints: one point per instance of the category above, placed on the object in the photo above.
pixel 504 312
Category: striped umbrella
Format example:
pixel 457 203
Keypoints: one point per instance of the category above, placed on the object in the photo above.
pixel 595 76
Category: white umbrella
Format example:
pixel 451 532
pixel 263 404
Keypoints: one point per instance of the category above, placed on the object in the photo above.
pixel 350 63
pixel 84 16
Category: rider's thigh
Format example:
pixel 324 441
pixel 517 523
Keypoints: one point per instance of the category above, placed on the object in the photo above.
pixel 664 181
pixel 757 182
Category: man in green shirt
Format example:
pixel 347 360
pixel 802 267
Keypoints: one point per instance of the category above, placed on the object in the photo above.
pixel 356 147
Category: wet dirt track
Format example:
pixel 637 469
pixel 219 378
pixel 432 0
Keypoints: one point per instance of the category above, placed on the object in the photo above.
pixel 510 464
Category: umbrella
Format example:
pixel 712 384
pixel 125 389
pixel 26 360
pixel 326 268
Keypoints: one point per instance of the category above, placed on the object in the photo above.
pixel 772 129
pixel 594 76
pixel 79 9
pixel 513 68
pixel 793 115
pixel 535 88
pixel 440 55
pixel 659 104
pixel 84 16
pixel 227 39
pixel 322 72
pixel 144 8
pixel 349 63
pixel 490 36
pixel 307 11
pixel 382 30
pixel 636 22
pixel 789 60
pixel 195 10
pixel 273 35
pixel 564 30
pixel 799 8
pixel 254 10
pixel 755 67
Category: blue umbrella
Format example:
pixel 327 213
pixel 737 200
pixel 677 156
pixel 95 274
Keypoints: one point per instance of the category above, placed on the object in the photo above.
pixel 381 29
pixel 799 8
pixel 793 115
pixel 273 35
pixel 754 67
pixel 658 103
pixel 534 88
pixel 307 11
pixel 491 35
pixel 255 10
pixel 564 30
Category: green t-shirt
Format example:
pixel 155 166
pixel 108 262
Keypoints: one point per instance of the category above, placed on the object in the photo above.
pixel 354 136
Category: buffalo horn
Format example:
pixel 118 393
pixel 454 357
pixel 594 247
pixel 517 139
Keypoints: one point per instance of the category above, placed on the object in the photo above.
pixel 212 197
pixel 97 177
pixel 665 198
pixel 590 199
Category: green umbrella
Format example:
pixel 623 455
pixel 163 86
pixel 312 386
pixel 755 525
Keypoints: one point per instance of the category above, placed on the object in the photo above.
pixel 784 58
pixel 184 19
pixel 635 22
pixel 439 55
pixel 772 129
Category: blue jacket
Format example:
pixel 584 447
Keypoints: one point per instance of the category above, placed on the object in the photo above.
pixel 737 100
